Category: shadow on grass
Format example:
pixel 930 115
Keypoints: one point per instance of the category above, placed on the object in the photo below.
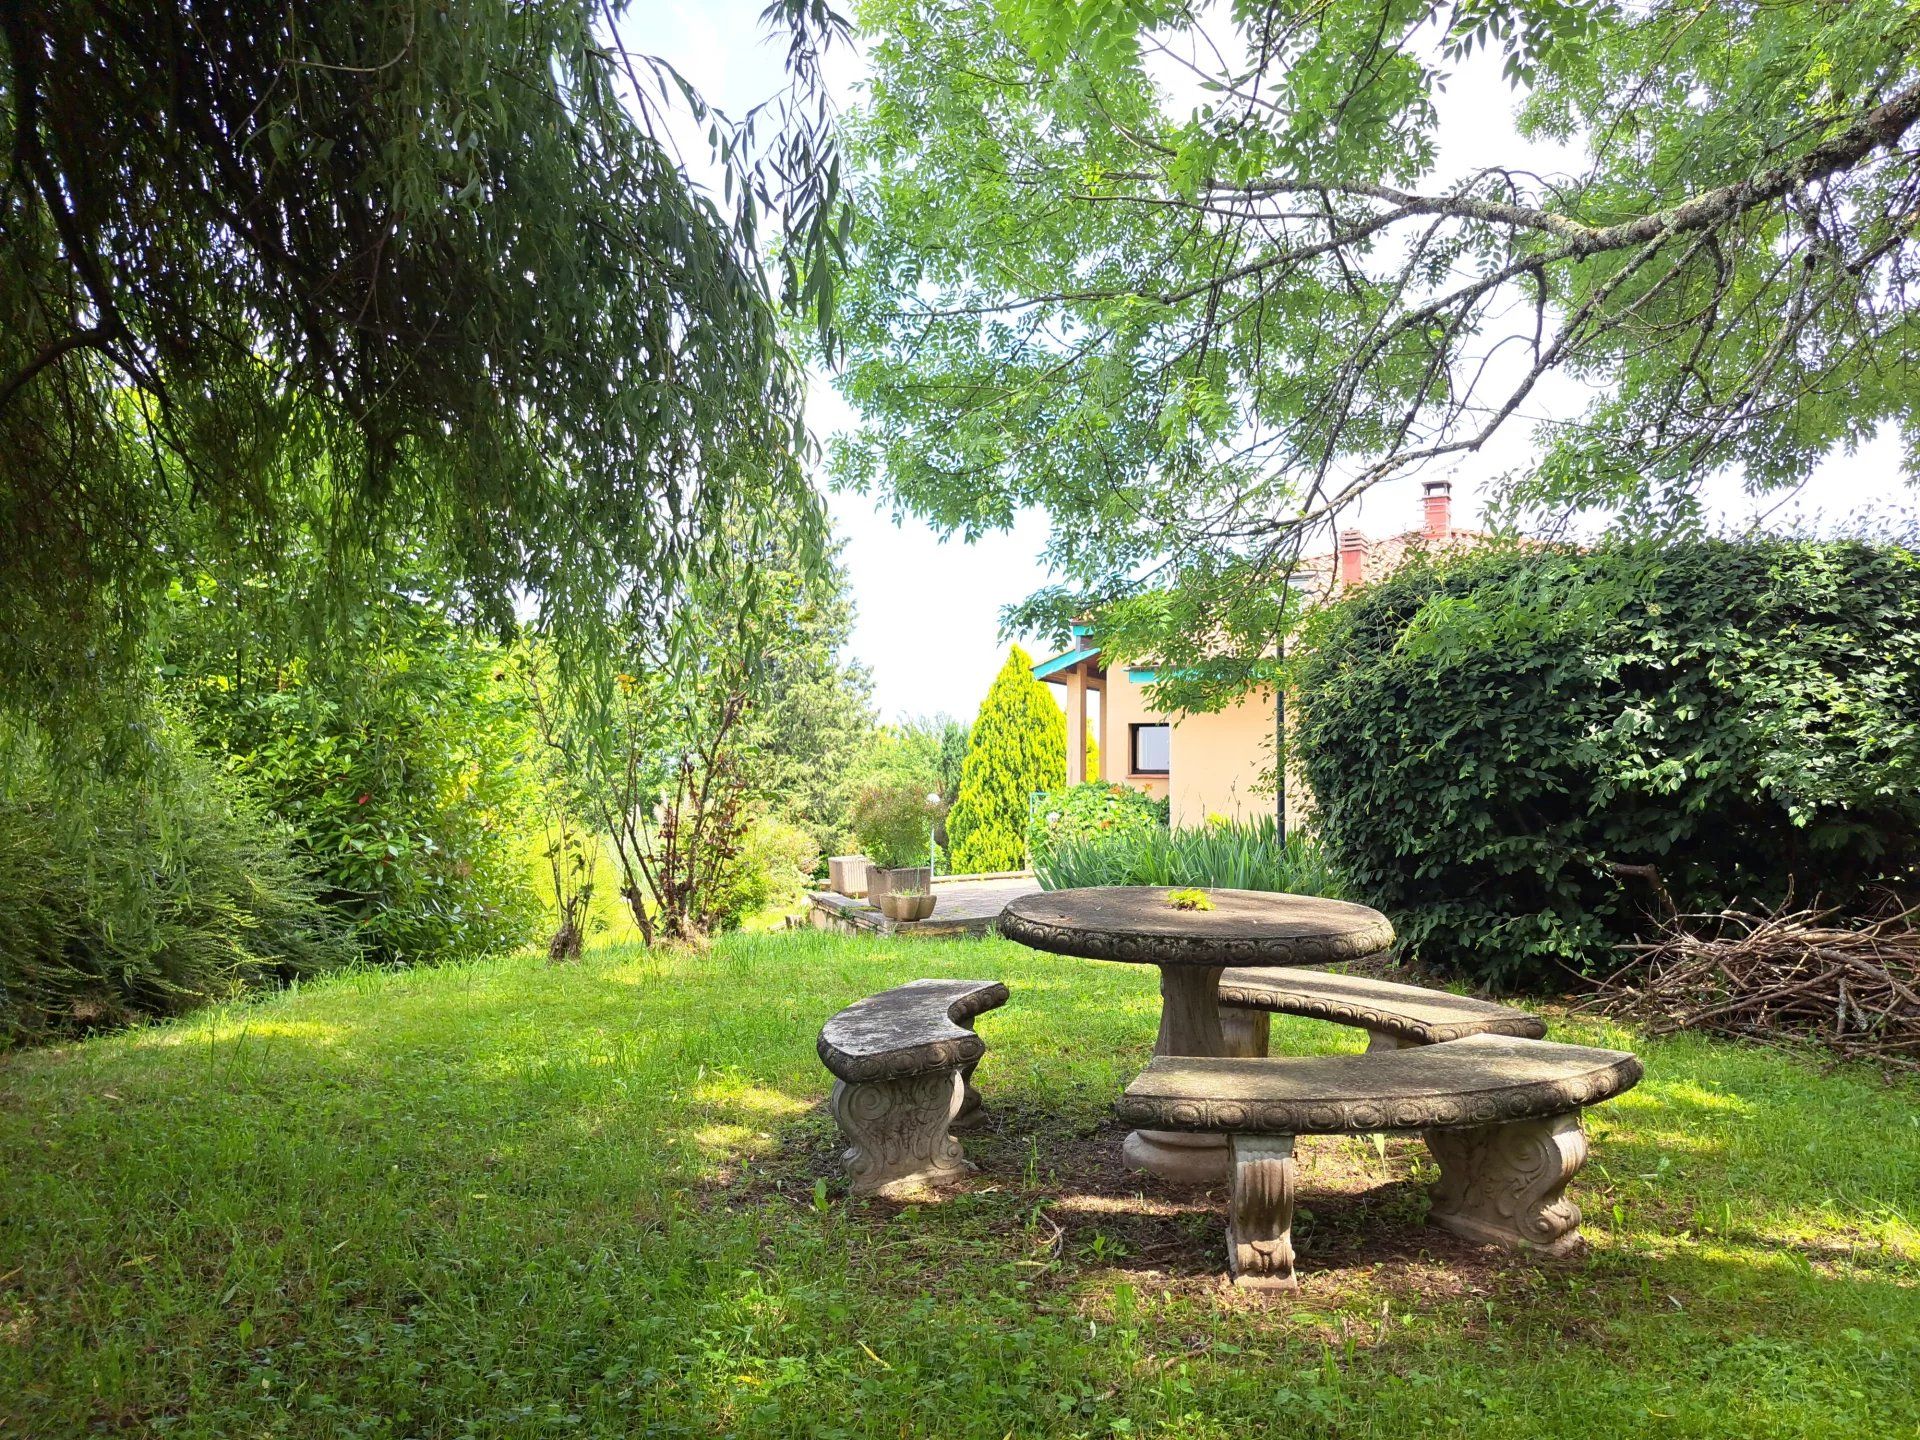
pixel 1050 1184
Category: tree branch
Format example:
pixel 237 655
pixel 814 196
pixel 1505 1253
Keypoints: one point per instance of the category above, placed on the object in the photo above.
pixel 1876 129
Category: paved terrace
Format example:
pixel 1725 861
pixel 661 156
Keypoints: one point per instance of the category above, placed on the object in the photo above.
pixel 966 905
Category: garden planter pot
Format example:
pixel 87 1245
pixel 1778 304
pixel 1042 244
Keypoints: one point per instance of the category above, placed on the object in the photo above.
pixel 881 881
pixel 908 906
pixel 847 874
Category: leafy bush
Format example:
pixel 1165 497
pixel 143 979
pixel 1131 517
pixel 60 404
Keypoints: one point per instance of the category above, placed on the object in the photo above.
pixel 917 758
pixel 407 779
pixel 143 893
pixel 1017 748
pixel 1230 855
pixel 776 860
pixel 892 820
pixel 1095 810
pixel 1520 756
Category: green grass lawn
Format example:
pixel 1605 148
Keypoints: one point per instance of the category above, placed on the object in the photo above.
pixel 507 1199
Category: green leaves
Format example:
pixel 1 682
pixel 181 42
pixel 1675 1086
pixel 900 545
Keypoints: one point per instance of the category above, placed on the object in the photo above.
pixel 1488 741
pixel 1196 325
pixel 406 769
pixel 393 276
pixel 1534 33
pixel 1017 748
pixel 130 896
pixel 1107 813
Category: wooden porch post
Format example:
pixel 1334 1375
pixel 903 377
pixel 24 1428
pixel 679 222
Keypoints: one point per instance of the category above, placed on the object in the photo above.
pixel 1076 726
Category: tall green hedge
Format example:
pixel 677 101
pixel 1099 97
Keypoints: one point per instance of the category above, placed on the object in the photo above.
pixel 1017 747
pixel 1514 754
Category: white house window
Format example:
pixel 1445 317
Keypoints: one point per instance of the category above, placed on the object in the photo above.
pixel 1151 748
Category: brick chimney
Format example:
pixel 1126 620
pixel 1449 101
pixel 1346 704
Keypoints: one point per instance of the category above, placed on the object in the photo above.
pixel 1353 557
pixel 1439 505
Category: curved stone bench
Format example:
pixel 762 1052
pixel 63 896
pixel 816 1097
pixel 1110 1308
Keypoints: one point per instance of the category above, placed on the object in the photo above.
pixel 1500 1113
pixel 1394 1016
pixel 903 1064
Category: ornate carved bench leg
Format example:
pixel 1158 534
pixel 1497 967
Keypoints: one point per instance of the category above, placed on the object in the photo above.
pixel 1387 1040
pixel 1245 1031
pixel 1506 1184
pixel 970 1111
pixel 1260 1212
pixel 900 1130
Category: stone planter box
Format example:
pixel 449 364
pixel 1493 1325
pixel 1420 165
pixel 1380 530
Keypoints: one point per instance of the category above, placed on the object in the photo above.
pixel 881 881
pixel 847 875
pixel 906 907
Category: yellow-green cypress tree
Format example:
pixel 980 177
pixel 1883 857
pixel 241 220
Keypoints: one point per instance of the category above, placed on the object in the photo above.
pixel 1018 746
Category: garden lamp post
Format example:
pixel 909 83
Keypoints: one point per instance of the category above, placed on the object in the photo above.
pixel 933 828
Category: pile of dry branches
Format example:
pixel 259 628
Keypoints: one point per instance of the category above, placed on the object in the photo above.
pixel 1851 984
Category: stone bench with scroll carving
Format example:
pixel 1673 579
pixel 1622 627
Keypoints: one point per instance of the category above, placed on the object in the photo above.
pixel 1500 1113
pixel 903 1063
pixel 1394 1016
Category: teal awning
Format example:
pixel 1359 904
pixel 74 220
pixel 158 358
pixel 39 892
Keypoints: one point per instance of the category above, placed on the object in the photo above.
pixel 1062 662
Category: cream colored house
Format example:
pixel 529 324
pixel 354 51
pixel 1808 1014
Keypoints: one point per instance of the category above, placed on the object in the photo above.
pixel 1206 764
pixel 1213 764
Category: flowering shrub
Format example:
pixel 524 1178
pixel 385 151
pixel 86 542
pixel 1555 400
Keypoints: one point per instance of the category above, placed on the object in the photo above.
pixel 1094 811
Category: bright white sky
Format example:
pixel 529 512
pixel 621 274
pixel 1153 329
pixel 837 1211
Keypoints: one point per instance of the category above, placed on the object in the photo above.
pixel 929 609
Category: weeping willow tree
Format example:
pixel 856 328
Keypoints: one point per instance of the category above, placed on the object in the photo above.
pixel 412 277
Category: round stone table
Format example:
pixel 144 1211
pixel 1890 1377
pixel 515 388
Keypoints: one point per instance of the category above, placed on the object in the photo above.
pixel 1133 924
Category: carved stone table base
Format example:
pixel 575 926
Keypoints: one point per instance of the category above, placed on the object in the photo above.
pixel 901 1130
pixel 1506 1184
pixel 1189 1025
pixel 1140 925
pixel 1260 1213
pixel 1245 1032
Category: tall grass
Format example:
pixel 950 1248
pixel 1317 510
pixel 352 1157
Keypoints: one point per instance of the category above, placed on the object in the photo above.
pixel 1239 855
pixel 144 892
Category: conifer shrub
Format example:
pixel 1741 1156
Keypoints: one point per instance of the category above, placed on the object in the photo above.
pixel 1525 758
pixel 1017 748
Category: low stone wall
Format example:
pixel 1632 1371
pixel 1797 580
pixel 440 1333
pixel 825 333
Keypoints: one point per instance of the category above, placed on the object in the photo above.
pixel 964 905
